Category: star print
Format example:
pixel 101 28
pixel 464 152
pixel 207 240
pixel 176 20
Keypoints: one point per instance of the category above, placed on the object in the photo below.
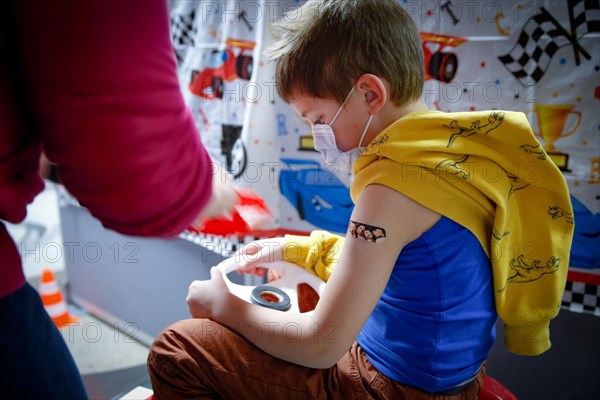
pixel 563 61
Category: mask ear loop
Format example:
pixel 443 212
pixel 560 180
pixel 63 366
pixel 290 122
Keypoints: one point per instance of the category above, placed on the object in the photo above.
pixel 366 129
pixel 342 107
pixel 350 161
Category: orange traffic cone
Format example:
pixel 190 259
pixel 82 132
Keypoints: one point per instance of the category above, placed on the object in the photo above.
pixel 53 301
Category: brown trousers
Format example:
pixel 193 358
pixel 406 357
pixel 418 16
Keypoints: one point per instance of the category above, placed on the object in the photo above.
pixel 200 359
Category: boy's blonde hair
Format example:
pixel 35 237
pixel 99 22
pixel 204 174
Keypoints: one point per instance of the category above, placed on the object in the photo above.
pixel 326 45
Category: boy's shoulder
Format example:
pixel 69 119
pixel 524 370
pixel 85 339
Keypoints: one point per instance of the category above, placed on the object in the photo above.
pixel 424 129
pixel 458 120
pixel 463 115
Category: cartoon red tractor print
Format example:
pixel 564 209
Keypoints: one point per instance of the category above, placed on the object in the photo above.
pixel 224 66
pixel 439 63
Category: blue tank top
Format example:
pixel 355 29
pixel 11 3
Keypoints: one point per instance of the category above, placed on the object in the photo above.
pixel 435 321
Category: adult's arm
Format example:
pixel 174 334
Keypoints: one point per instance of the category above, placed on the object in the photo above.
pixel 103 91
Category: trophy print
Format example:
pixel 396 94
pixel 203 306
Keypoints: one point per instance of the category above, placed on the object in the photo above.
pixel 551 119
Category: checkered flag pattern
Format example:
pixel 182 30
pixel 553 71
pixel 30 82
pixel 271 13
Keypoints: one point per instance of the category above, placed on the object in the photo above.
pixel 539 40
pixel 226 246
pixel 183 29
pixel 585 16
pixel 582 297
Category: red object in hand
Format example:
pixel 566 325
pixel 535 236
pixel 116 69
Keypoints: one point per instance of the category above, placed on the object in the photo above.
pixel 249 213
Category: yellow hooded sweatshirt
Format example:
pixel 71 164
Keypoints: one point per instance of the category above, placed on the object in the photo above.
pixel 487 172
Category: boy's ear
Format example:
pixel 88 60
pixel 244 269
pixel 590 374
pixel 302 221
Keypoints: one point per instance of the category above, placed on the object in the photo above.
pixel 374 91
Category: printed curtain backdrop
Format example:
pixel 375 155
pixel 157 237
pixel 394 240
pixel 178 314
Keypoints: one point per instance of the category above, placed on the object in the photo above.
pixel 538 57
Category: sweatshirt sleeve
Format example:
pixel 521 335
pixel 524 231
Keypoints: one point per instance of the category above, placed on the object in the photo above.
pixel 317 253
pixel 102 89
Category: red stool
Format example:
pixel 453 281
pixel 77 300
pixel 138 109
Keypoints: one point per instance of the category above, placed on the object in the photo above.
pixel 493 390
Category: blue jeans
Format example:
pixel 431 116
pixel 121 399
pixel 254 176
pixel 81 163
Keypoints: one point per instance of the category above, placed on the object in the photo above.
pixel 35 362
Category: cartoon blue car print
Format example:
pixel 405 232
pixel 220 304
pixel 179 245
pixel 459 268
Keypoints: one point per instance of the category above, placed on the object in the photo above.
pixel 317 194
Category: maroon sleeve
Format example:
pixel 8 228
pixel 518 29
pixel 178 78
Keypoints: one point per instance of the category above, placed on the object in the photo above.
pixel 103 88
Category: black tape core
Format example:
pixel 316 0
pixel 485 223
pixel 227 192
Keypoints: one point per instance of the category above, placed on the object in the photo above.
pixel 283 303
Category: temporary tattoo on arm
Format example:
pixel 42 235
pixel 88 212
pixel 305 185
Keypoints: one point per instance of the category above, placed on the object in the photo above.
pixel 370 233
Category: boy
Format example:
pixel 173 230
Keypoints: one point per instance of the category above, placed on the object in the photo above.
pixel 411 314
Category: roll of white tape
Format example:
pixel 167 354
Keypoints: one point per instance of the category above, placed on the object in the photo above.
pixel 291 276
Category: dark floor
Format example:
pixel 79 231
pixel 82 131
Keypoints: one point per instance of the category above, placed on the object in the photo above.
pixel 570 370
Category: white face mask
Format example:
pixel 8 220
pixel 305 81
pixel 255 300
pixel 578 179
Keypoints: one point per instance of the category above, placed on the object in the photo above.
pixel 325 142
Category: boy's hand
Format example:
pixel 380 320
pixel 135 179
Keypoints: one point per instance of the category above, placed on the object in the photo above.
pixel 253 256
pixel 207 298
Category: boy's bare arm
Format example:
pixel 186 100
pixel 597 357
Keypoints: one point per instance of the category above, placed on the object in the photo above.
pixel 319 339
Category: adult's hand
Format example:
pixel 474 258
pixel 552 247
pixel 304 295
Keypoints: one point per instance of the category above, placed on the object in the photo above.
pixel 223 198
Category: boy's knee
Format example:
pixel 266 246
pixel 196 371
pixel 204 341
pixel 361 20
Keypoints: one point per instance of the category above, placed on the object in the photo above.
pixel 183 336
pixel 167 343
pixel 174 351
pixel 177 335
pixel 177 342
